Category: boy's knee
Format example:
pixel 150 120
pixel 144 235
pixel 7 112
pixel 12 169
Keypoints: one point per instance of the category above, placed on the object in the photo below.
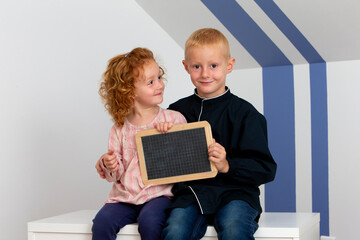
pixel 175 231
pixel 238 229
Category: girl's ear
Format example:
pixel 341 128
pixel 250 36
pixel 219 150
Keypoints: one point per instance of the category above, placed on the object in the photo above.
pixel 185 66
pixel 230 65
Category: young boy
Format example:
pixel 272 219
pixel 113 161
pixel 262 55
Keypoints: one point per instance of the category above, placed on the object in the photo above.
pixel 230 201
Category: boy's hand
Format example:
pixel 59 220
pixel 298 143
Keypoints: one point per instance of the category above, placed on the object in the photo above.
pixel 217 155
pixel 163 127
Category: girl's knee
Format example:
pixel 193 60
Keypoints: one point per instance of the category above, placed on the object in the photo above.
pixel 103 225
pixel 102 218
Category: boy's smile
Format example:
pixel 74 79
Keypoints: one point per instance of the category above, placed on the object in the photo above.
pixel 208 67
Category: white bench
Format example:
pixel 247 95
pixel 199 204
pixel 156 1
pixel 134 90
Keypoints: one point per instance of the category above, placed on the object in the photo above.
pixel 272 226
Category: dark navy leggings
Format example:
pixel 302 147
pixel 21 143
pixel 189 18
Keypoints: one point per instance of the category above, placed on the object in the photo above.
pixel 114 216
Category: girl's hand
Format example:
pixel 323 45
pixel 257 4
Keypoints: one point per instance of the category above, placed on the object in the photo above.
pixel 99 169
pixel 163 127
pixel 217 155
pixel 110 161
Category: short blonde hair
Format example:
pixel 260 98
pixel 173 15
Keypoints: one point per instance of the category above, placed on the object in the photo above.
pixel 207 36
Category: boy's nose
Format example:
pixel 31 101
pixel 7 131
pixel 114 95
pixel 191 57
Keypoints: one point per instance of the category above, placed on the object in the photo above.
pixel 205 73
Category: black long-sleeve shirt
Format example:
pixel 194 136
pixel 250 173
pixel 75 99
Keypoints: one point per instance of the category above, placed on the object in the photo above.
pixel 242 131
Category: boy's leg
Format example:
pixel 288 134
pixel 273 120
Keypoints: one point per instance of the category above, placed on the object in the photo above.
pixel 185 224
pixel 235 221
pixel 110 219
pixel 152 218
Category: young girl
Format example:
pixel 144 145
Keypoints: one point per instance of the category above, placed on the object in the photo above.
pixel 132 88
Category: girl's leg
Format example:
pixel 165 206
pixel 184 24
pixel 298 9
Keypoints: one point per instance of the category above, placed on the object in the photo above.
pixel 236 220
pixel 152 218
pixel 185 223
pixel 110 219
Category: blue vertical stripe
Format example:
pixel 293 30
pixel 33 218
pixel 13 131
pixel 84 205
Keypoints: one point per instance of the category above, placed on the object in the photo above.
pixel 247 32
pixel 290 31
pixel 278 85
pixel 319 131
pixel 319 139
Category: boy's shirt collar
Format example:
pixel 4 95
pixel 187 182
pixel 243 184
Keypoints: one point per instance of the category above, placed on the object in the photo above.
pixel 202 98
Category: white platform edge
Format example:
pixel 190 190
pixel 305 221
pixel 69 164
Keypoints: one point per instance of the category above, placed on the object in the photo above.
pixel 271 224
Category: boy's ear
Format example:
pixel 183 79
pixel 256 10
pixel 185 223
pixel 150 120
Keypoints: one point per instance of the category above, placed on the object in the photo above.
pixel 185 66
pixel 230 65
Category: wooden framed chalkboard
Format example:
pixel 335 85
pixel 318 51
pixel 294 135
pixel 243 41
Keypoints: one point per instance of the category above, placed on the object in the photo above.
pixel 179 155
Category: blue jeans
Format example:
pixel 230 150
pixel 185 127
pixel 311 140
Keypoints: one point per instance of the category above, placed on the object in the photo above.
pixel 235 221
pixel 114 216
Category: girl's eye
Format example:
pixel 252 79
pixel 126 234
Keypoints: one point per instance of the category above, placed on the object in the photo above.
pixel 213 66
pixel 150 82
pixel 159 77
pixel 196 66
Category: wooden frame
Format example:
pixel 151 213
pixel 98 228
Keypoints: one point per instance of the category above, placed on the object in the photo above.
pixel 211 172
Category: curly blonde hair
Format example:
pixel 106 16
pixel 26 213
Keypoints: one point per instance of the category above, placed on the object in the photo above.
pixel 117 87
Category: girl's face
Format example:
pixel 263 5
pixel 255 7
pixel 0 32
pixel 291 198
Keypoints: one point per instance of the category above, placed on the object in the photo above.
pixel 149 86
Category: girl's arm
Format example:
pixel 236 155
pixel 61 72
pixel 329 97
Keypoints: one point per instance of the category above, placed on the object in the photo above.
pixel 111 162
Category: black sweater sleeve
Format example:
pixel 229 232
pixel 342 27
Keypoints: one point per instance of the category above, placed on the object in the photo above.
pixel 250 160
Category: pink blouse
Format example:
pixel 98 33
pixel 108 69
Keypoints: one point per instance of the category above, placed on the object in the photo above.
pixel 128 186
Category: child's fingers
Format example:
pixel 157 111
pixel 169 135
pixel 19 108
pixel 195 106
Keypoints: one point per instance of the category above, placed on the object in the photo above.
pixel 217 151
pixel 167 126
pixel 114 168
pixel 99 170
pixel 97 165
pixel 111 165
pixel 109 158
pixel 164 127
pixel 170 125
pixel 158 126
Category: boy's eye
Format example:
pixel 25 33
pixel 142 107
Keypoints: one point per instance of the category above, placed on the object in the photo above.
pixel 196 66
pixel 159 77
pixel 213 66
pixel 150 82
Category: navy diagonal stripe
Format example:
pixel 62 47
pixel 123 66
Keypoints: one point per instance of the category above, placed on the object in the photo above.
pixel 247 32
pixel 290 31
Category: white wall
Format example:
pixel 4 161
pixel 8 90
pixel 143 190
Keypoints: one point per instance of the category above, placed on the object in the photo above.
pixel 53 126
pixel 344 156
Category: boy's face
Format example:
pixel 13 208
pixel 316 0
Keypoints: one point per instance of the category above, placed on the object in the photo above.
pixel 208 67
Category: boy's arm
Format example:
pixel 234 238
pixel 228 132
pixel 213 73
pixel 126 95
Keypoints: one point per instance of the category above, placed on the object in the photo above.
pixel 251 162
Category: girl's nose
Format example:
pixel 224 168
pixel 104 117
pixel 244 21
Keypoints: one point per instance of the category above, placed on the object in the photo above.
pixel 160 83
